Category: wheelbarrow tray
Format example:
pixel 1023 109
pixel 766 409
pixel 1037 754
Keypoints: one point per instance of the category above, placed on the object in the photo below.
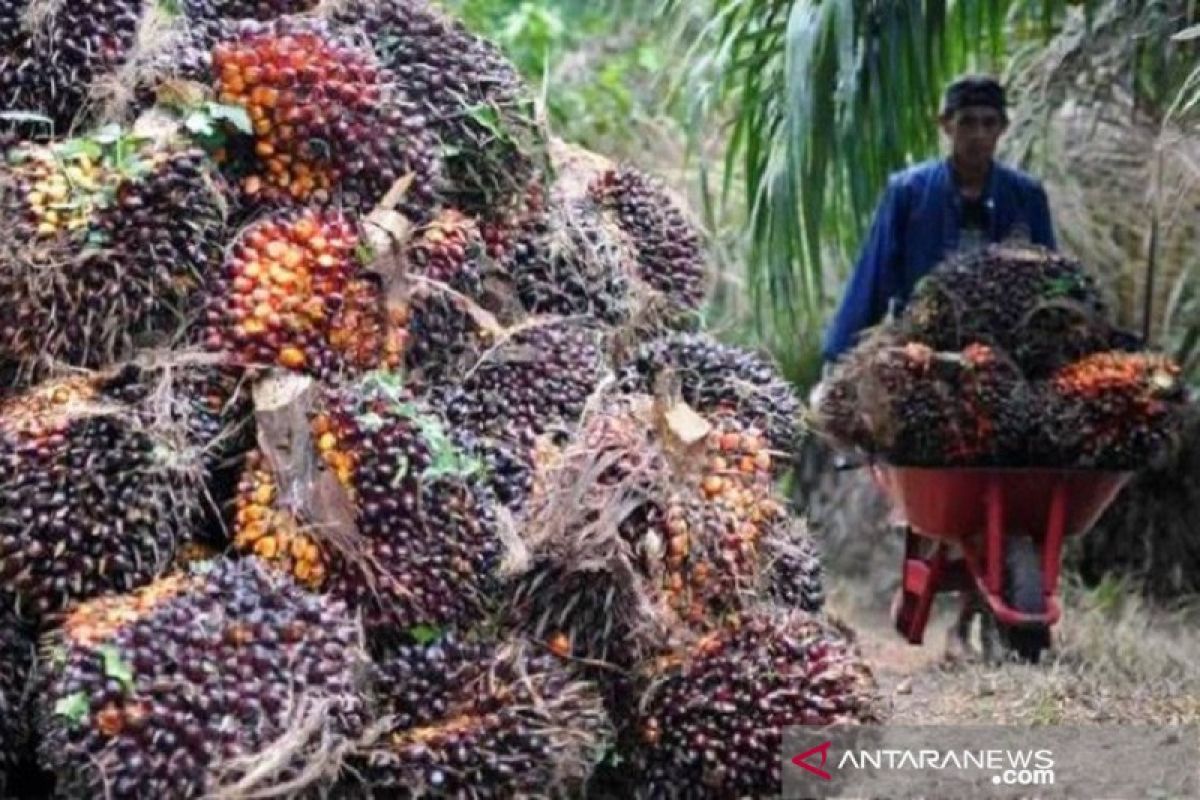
pixel 952 502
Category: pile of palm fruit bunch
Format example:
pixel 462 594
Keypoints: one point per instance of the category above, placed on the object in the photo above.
pixel 1005 357
pixel 360 439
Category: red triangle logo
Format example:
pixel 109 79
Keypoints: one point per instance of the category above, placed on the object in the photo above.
pixel 802 760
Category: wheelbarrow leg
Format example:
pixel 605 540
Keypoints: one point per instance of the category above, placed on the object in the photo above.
pixel 920 580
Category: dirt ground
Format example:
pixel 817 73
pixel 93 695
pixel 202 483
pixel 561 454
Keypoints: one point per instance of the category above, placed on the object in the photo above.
pixel 1114 660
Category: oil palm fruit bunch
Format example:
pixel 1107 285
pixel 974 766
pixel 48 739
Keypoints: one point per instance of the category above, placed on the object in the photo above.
pixel 712 720
pixel 96 495
pixel 426 548
pixel 481 720
pixel 793 576
pixel 327 122
pixel 670 253
pixel 1040 307
pixel 190 685
pixel 1114 410
pixel 98 260
pixel 571 260
pixel 534 381
pixel 443 315
pixel 16 661
pixel 201 10
pixel 712 376
pixel 58 56
pixel 293 292
pixel 473 99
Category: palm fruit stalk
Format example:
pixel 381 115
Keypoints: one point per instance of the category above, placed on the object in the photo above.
pixel 569 259
pixel 480 720
pixel 423 546
pixel 294 293
pixel 16 661
pixel 770 671
pixel 98 259
pixel 670 253
pixel 1040 307
pixel 472 98
pixel 97 495
pixel 1113 410
pixel 328 124
pixel 225 679
pixel 711 376
pixel 59 56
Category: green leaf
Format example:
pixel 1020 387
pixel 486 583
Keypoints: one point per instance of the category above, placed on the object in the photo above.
pixel 74 707
pixel 115 667
pixel 233 114
pixel 76 148
pixel 364 253
pixel 199 123
pixel 424 634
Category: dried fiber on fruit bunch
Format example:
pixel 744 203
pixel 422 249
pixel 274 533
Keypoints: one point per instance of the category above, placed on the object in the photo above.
pixel 535 380
pixel 372 504
pixel 444 312
pixel 294 292
pixel 223 681
pixel 1148 534
pixel 96 495
pixel 328 122
pixel 670 254
pixel 571 260
pixel 1113 410
pixel 97 259
pixel 583 591
pixel 915 406
pixel 471 97
pixel 712 376
pixel 480 720
pixel 1040 307
pixel 16 661
pixel 60 59
pixel 763 674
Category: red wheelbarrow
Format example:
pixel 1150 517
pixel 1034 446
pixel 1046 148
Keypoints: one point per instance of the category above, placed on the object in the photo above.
pixel 996 535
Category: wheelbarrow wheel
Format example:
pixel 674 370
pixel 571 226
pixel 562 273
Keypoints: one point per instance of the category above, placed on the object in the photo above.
pixel 1023 591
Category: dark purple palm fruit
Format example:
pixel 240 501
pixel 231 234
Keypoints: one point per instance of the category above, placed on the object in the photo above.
pixel 687 733
pixel 670 254
pixel 712 376
pixel 16 660
pixel 97 495
pixel 228 678
pixel 98 261
pixel 481 720
pixel 473 99
pixel 793 576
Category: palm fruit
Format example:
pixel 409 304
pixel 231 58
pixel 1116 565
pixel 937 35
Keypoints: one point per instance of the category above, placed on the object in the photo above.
pixel 535 381
pixel 713 376
pixel 1040 307
pixel 917 407
pixel 245 9
pixel 1113 410
pixel 427 546
pixel 98 260
pixel 793 576
pixel 16 660
pixel 58 56
pixel 294 293
pixel 228 678
pixel 443 313
pixel 480 720
pixel 712 720
pixel 669 251
pixel 476 103
pixel 96 495
pixel 327 123
pixel 571 260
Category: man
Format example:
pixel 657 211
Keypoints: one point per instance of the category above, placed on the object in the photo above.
pixel 943 206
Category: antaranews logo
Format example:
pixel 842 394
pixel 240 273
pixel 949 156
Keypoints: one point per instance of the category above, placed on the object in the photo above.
pixel 802 760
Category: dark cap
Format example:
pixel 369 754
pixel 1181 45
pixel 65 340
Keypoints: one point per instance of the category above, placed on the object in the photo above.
pixel 974 90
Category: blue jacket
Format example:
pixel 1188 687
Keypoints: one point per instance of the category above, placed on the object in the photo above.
pixel 916 227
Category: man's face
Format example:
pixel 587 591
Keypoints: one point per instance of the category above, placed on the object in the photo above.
pixel 974 132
